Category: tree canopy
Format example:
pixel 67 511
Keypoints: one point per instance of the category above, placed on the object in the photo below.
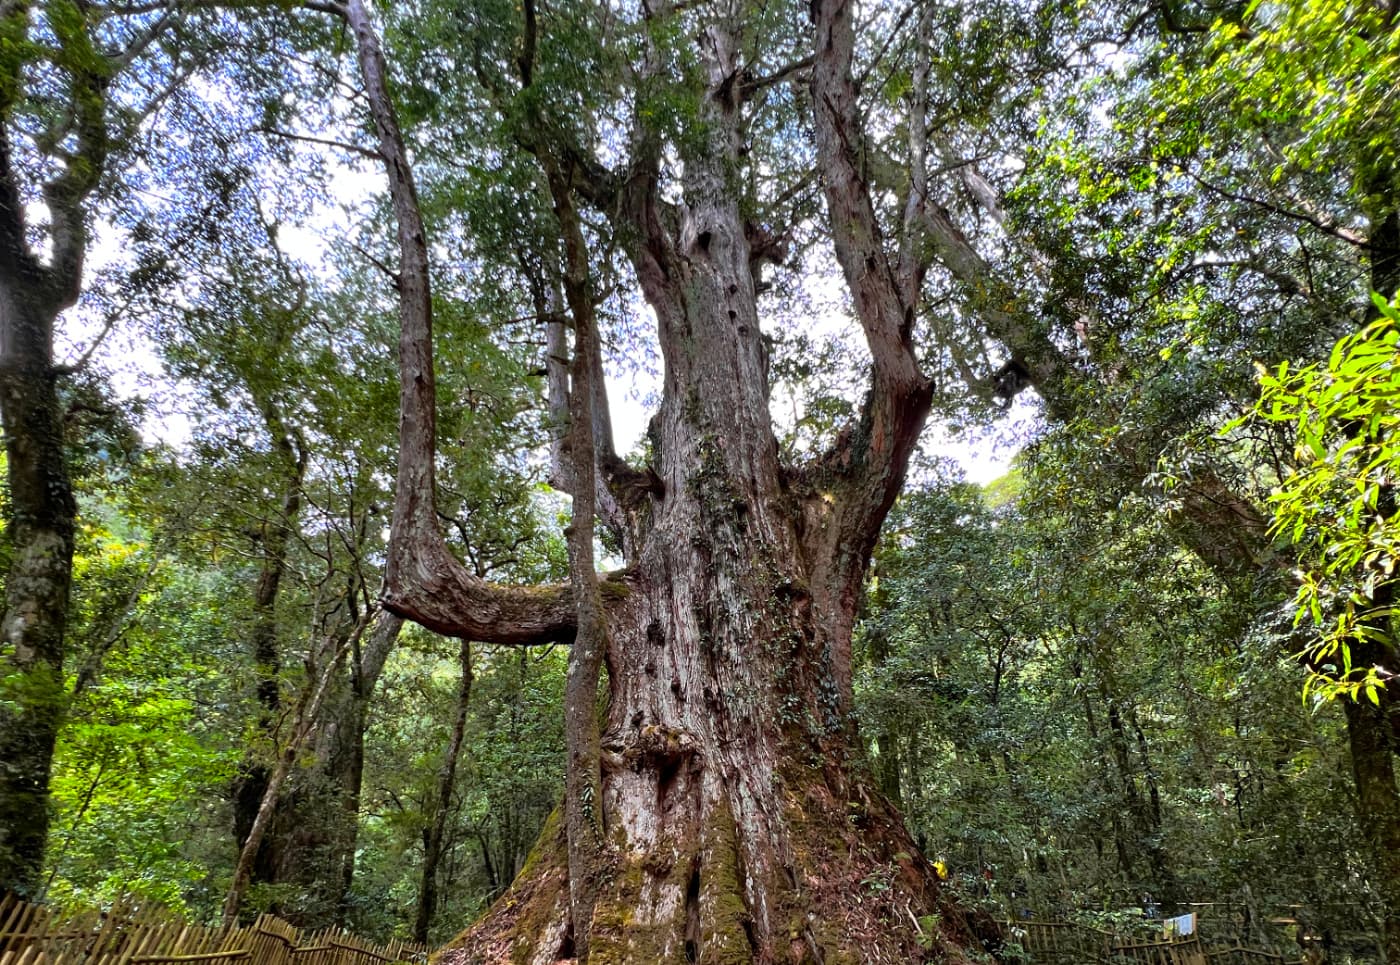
pixel 330 587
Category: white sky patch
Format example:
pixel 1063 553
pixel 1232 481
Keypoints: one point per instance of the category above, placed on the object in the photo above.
pixel 136 370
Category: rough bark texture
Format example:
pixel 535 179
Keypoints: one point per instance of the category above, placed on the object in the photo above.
pixel 41 529
pixel 42 508
pixel 736 826
pixel 738 830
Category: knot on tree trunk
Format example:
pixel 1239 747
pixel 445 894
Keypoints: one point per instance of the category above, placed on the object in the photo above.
pixel 654 746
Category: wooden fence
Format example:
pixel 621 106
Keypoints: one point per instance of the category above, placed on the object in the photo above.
pixel 32 935
pixel 1069 943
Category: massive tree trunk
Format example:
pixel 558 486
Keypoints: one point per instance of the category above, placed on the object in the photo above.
pixel 720 816
pixel 737 828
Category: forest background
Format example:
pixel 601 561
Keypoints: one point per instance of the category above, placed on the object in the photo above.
pixel 1150 660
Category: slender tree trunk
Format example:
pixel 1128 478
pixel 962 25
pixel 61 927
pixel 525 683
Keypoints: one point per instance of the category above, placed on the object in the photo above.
pixel 41 533
pixel 254 772
pixel 488 865
pixel 442 802
pixel 887 762
pixel 307 714
pixel 1373 765
pixel 1142 815
pixel 583 804
pixel 368 667
pixel 317 821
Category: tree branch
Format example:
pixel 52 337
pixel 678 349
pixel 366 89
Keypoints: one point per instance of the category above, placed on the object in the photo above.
pixel 423 581
pixel 753 85
pixel 583 800
pixel 869 463
pixel 900 392
pixel 65 196
pixel 342 145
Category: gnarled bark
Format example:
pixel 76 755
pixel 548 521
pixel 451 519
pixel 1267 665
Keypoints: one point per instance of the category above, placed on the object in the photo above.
pixel 714 813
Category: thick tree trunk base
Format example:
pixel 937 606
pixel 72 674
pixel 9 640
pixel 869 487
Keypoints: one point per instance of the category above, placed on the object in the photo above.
pixel 855 890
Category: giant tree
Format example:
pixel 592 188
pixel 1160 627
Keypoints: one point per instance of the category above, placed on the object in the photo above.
pixel 715 808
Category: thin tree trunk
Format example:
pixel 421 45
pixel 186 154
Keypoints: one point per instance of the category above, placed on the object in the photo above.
pixel 583 805
pixel 442 801
pixel 368 667
pixel 493 880
pixel 251 782
pixel 317 820
pixel 886 749
pixel 313 695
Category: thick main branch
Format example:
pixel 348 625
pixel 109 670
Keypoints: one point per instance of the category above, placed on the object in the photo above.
pixel 424 581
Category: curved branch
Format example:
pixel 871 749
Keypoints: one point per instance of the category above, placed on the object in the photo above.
pixel 424 582
pixel 870 462
pixel 883 292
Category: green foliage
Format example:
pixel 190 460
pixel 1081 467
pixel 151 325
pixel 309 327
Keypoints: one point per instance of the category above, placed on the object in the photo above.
pixel 1053 687
pixel 1073 713
pixel 508 780
pixel 1336 507
pixel 148 748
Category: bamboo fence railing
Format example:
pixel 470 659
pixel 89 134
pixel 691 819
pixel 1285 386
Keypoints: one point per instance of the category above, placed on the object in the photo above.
pixel 33 935
pixel 1070 943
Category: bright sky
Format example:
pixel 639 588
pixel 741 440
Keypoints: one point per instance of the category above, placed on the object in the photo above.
pixel 137 372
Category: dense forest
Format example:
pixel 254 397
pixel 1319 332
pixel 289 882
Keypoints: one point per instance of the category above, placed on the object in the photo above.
pixel 508 465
